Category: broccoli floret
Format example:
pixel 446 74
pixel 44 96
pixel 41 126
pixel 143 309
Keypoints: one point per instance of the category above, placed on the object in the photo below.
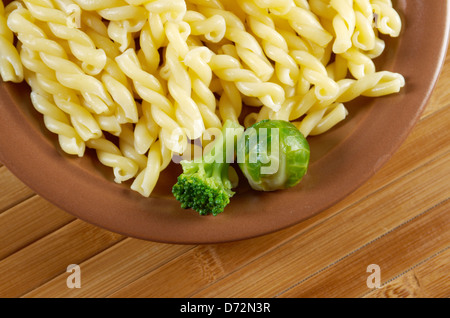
pixel 204 184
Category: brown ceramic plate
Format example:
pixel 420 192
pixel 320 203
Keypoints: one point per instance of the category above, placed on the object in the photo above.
pixel 341 161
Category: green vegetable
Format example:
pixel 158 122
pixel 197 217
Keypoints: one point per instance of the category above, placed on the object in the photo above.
pixel 273 154
pixel 204 184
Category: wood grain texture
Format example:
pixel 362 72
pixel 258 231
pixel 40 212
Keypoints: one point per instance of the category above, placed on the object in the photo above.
pixel 27 222
pixel 424 280
pixel 49 256
pixel 323 245
pixel 13 191
pixel 403 247
pixel 399 220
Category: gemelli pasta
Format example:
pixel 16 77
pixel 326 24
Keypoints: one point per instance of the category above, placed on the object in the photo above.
pixel 136 80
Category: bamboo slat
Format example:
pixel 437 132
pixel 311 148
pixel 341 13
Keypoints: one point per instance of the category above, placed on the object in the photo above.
pixel 49 256
pixel 425 280
pixel 13 191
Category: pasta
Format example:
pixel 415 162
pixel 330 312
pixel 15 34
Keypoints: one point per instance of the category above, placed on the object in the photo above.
pixel 344 23
pixel 10 66
pixel 137 81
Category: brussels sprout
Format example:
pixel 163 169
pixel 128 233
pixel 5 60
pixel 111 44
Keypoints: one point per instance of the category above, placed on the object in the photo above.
pixel 273 154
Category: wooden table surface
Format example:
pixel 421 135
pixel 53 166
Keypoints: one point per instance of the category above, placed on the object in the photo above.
pixel 396 227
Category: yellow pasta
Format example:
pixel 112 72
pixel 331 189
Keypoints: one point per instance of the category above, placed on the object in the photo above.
pixel 44 79
pixel 138 80
pixel 306 24
pixel 229 68
pixel 56 120
pixel 344 24
pixel 388 20
pixel 151 39
pixel 146 180
pixel 130 146
pixel 273 43
pixel 315 73
pixel 200 74
pixel 230 102
pixel 211 29
pixel 62 26
pixel 145 130
pixel 10 65
pixel 179 82
pixel 110 155
pixel 118 87
pixel 247 47
pixel 364 36
pixel 151 90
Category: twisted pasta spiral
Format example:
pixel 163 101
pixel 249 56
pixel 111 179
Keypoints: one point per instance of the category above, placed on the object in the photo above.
pixel 273 43
pixel 228 68
pixel 62 26
pixel 247 48
pixel 56 120
pixel 150 90
pixel 45 78
pixel 10 65
pixel 110 155
pixel 55 57
pixel 344 23
pixel 200 75
pixel 179 83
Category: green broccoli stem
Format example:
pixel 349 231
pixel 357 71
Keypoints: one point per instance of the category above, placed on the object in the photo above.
pixel 216 162
pixel 224 146
pixel 204 184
